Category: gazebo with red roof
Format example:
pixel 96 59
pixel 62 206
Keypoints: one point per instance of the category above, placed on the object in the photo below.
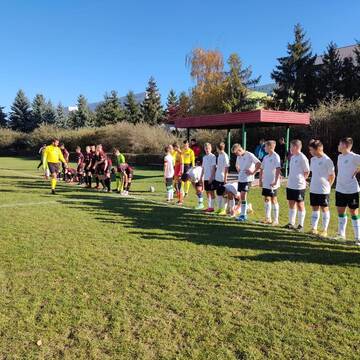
pixel 243 120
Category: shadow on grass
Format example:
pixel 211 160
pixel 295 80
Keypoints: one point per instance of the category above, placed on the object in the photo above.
pixel 156 222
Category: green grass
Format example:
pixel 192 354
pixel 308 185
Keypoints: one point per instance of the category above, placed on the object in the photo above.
pixel 96 276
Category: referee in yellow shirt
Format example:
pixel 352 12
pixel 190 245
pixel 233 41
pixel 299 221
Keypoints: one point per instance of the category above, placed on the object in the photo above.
pixel 52 156
pixel 189 162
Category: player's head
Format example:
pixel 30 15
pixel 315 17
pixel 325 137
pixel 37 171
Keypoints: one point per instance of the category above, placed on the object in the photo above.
pixel 116 151
pixel 207 148
pixel 221 147
pixel 55 141
pixel 316 147
pixel 281 140
pixel 98 149
pixel 176 146
pixel 88 149
pixel 186 144
pixel 93 148
pixel 295 146
pixel 261 141
pixel 237 149
pixel 62 146
pixel 78 149
pixel 270 146
pixel 168 149
pixel 345 144
pixel 193 141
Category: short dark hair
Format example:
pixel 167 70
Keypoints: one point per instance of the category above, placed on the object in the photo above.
pixel 315 144
pixel 194 140
pixel 221 146
pixel 348 141
pixel 185 142
pixel 167 148
pixel 296 142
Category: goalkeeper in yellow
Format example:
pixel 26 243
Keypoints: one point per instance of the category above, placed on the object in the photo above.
pixel 52 156
pixel 189 162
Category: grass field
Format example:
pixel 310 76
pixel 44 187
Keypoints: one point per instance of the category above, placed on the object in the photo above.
pixel 88 275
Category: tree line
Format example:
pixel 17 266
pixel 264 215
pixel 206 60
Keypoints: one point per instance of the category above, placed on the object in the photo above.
pixel 220 87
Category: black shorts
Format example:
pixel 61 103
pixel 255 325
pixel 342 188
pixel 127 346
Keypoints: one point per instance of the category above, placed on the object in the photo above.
pixel 219 187
pixel 347 200
pixel 169 181
pixel 185 176
pixel 295 195
pixel 244 186
pixel 269 192
pixel 209 186
pixel 53 168
pixel 322 200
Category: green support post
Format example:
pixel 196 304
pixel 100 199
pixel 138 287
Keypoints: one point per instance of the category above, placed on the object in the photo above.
pixel 244 136
pixel 228 140
pixel 287 146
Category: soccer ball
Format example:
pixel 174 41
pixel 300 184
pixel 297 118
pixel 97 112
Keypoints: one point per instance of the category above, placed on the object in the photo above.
pixel 152 189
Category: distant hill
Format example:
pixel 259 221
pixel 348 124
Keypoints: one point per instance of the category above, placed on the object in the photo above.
pixel 138 97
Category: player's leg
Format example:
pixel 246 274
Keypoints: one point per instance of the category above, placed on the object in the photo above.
pixel 325 220
pixel 341 205
pixel 129 178
pixel 169 189
pixel 292 213
pixel 301 214
pixel 355 218
pixel 315 218
pixel 199 193
pixel 210 197
pixel 275 208
pixel 267 206
pixel 243 206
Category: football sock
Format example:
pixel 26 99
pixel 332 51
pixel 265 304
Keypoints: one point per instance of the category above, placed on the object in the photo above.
pixel 342 218
pixel 220 201
pixel 170 192
pixel 355 219
pixel 267 210
pixel 97 181
pixel 117 183
pixel 128 186
pixel 275 209
pixel 89 180
pixel 243 208
pixel 292 216
pixel 301 217
pixel 108 184
pixel 210 202
pixel 315 217
pixel 53 183
pixel 200 198
pixel 231 204
pixel 187 187
pixel 325 220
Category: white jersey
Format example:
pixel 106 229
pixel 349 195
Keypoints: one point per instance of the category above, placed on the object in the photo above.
pixel 269 165
pixel 232 188
pixel 222 163
pixel 245 162
pixel 169 170
pixel 208 163
pixel 195 174
pixel 321 168
pixel 346 182
pixel 299 164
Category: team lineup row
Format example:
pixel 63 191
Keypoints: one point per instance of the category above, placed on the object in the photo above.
pixel 211 175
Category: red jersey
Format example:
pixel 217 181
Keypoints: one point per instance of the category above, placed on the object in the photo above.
pixel 197 150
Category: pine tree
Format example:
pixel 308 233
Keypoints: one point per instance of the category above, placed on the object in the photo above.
pixel 132 108
pixel 349 88
pixel 330 73
pixel 82 116
pixel 62 120
pixel 20 115
pixel 152 110
pixel 38 109
pixel 50 113
pixel 295 76
pixel 3 116
pixel 357 70
pixel 110 111
pixel 172 105
pixel 237 83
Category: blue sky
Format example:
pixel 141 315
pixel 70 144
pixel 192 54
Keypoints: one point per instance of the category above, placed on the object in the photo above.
pixel 63 48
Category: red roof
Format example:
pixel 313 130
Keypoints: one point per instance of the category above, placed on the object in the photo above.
pixel 235 120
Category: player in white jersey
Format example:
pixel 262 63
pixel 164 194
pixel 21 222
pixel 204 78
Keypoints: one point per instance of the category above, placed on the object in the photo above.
pixel 347 188
pixel 247 165
pixel 222 169
pixel 233 195
pixel 194 175
pixel 322 177
pixel 270 182
pixel 299 170
pixel 169 173
pixel 208 175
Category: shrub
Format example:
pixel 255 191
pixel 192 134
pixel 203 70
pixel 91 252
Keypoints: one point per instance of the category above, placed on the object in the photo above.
pixel 10 139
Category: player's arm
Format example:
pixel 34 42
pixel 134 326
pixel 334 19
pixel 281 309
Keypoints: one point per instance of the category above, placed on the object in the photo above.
pixel 306 169
pixel 237 165
pixel 62 159
pixel 181 164
pixel 165 168
pixel 44 158
pixel 212 176
pixel 277 176
pixel 261 176
pixel 226 172
pixel 357 164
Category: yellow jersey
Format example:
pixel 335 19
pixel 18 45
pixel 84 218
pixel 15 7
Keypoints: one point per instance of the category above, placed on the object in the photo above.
pixel 53 154
pixel 188 157
pixel 177 157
